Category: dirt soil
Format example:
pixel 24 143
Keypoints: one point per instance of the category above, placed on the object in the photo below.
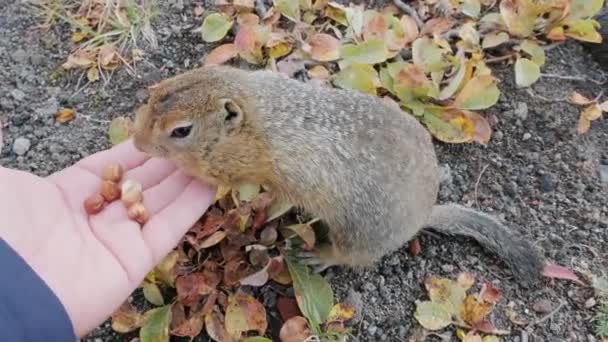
pixel 536 173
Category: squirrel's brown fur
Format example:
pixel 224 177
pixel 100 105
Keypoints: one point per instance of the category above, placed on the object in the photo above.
pixel 369 171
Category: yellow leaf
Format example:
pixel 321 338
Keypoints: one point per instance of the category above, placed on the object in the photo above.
pixel 340 312
pixel 592 112
pixel 78 36
pixel 279 50
pixel 221 192
pixel 93 74
pixel 64 115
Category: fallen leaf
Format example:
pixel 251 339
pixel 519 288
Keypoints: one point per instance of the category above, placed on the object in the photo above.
pixel 583 125
pixel 357 77
pixel 156 328
pixel 519 16
pixel 494 39
pixel 371 51
pixel 313 293
pixel 473 311
pixel 305 232
pixel 214 325
pixel 428 55
pixel 295 330
pixel 221 54
pixel 279 272
pixel 436 26
pixel 592 112
pixel 245 39
pixel 432 316
pixel 446 292
pixel 247 192
pixel 324 47
pixel 288 8
pixel 78 36
pixel 215 27
pixel 543 306
pixel 584 30
pixel 560 272
pixel 318 72
pixel 243 5
pixel 537 54
pixel 191 287
pixel 465 280
pixel 470 8
pixel 579 99
pixel 375 25
pixel 604 106
pixel 185 326
pixel 64 115
pixel 244 313
pixel 489 293
pixel 340 312
pixel 526 72
pixel 287 307
pixel 213 240
pixel 76 61
pixel 126 319
pixel 410 28
pixel 480 92
pixel 152 294
pixel 277 209
pixel 93 74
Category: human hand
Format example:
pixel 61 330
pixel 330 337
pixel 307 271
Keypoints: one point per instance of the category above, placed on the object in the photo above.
pixel 93 263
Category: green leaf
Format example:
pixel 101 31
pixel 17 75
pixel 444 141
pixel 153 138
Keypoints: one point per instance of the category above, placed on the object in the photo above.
pixel 215 27
pixel 313 293
pixel 119 130
pixel 584 30
pixel 357 77
pixel 519 16
pixel 247 192
pixel 480 92
pixel 152 294
pixel 432 316
pixel 490 338
pixel 454 84
pixel 288 8
pixel 371 51
pixel 494 39
pixel 428 55
pixel 471 8
pixel 536 53
pixel 526 72
pixel 257 339
pixel 156 328
pixel 277 209
pixel 580 9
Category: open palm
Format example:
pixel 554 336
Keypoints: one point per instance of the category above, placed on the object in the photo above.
pixel 93 263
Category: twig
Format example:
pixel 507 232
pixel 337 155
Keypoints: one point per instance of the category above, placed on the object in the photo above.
pixel 493 332
pixel 409 10
pixel 549 315
pixel 540 97
pixel 498 59
pixel 573 78
pixel 260 8
pixel 477 183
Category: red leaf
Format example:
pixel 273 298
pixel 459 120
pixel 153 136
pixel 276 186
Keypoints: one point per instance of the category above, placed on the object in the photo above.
pixel 489 293
pixel 288 308
pixel 245 39
pixel 560 272
pixel 414 247
pixel 190 288
pixel 221 54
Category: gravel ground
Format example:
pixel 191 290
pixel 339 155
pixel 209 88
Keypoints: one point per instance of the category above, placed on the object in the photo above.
pixel 536 174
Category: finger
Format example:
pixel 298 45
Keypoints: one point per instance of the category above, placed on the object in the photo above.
pixel 151 173
pixel 124 153
pixel 164 230
pixel 160 196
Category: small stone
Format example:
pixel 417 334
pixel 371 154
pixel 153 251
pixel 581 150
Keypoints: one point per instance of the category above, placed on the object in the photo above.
pixel 141 95
pixel 521 110
pixel 548 183
pixel 49 107
pixel 542 306
pixel 372 329
pixel 589 303
pixel 445 174
pixel 18 94
pixel 21 146
pixel 369 287
pixel 447 268
pixel 19 56
pixel 527 136
pixel 604 173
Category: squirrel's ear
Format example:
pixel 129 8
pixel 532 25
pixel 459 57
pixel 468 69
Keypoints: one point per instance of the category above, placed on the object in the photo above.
pixel 233 114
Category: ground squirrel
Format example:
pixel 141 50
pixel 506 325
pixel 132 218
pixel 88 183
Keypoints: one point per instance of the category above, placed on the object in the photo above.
pixel 369 171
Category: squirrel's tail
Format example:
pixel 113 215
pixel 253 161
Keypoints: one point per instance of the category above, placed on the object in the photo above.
pixel 525 260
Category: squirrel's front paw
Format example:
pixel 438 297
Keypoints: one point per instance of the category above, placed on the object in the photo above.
pixel 320 258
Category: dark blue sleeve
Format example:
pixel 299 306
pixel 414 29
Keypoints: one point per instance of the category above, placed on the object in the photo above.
pixel 29 310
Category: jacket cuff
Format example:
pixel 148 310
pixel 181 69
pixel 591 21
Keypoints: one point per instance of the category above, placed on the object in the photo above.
pixel 29 310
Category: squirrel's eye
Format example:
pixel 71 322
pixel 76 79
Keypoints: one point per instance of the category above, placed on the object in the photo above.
pixel 181 132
